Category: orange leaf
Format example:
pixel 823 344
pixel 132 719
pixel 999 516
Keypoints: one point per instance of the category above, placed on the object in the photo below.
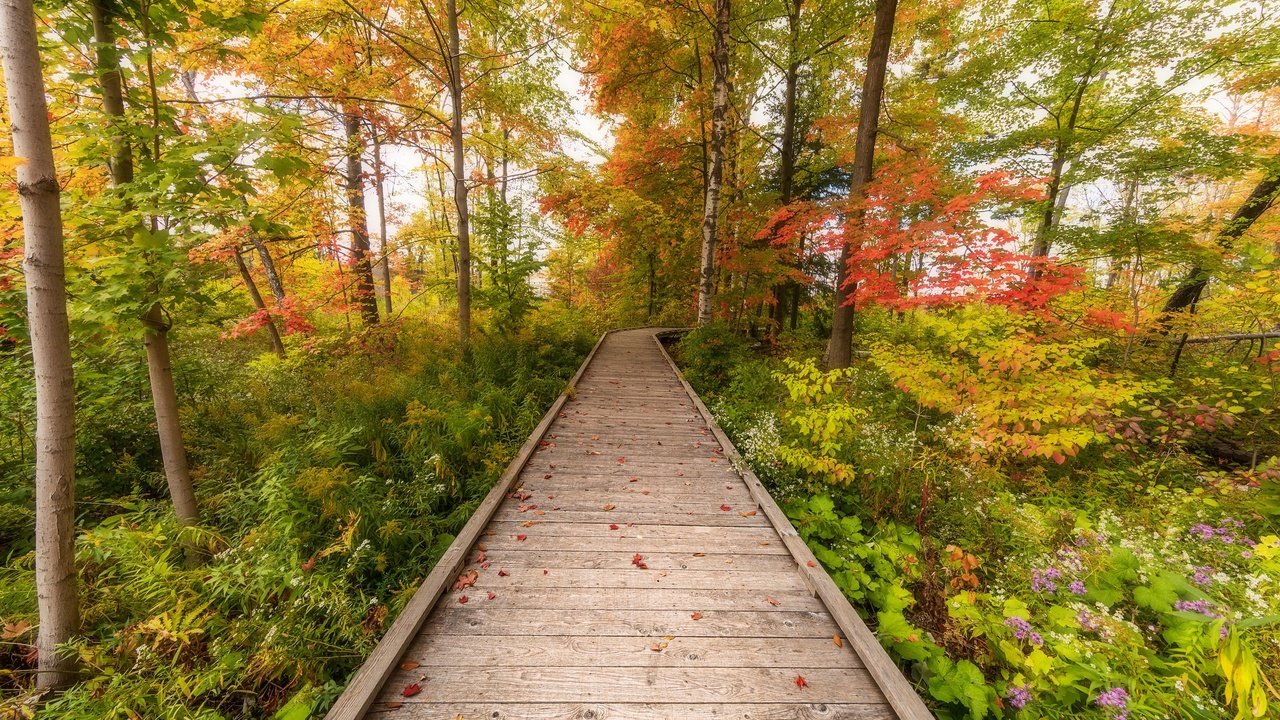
pixel 639 562
pixel 609 506
pixel 492 594
pixel 502 573
pixel 725 508
pixel 836 639
pixel 772 601
pixel 408 665
pixel 696 616
pixel 801 682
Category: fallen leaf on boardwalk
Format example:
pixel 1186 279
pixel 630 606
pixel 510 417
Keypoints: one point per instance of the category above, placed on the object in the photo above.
pixel 544 571
pixel 810 563
pixel 408 665
pixel 481 557
pixel 465 580
pixel 764 542
pixel 609 506
pixel 836 639
pixel 593 452
pixel 699 554
pixel 521 537
pixel 634 479
pixel 528 523
pixel 655 647
pixel 725 508
pixel 772 601
pixel 800 682
pixel 613 526
pixel 644 492
pixel 463 600
pixel 696 616
pixel 540 513
pixel 492 594
pixel 638 561
pixel 411 689
pixel 547 476
pixel 503 573
pixel 621 460
pixel 393 705
pixel 481 546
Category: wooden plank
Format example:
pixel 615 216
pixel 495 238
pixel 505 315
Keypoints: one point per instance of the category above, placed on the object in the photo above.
pixel 538 597
pixel 723 537
pixel 600 560
pixel 635 578
pixel 363 687
pixel 901 695
pixel 433 651
pixel 622 517
pixel 532 542
pixel 632 711
pixel 652 684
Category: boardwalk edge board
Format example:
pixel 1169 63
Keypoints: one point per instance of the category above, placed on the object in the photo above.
pixel 901 695
pixel 364 687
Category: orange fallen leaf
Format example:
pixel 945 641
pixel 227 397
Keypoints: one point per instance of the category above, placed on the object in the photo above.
pixel 655 647
pixel 772 601
pixel 503 573
pixel 492 594
pixel 696 616
pixel 639 562
pixel 528 524
pixel 411 689
pixel 465 580
pixel 408 665
pixel 810 563
pixel 393 705
pixel 801 682
pixel 725 508
pixel 836 639
pixel 609 506
pixel 634 479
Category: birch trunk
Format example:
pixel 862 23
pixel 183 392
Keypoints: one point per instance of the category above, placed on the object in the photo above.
pixel 715 173
pixel 459 175
pixel 44 273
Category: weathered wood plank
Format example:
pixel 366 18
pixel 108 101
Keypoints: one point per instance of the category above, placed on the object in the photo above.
pixel 632 711
pixel 622 517
pixel 475 619
pixel 534 543
pixel 763 582
pixel 510 558
pixel 653 684
pixel 673 599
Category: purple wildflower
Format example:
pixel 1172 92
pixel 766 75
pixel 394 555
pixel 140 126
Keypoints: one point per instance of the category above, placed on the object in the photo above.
pixel 1076 587
pixel 1087 621
pixel 1203 576
pixel 1203 607
pixel 1022 630
pixel 1117 699
pixel 1042 580
pixel 1019 696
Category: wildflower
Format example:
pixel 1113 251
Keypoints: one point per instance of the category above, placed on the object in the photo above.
pixel 1117 699
pixel 1076 587
pixel 1022 630
pixel 1019 696
pixel 1203 607
pixel 1203 576
pixel 1042 580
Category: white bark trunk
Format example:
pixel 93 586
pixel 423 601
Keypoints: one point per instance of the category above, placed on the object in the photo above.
pixel 44 272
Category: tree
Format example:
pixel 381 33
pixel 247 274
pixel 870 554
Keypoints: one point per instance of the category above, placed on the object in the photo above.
pixel 44 272
pixel 358 218
pixel 715 173
pixel 155 321
pixel 840 347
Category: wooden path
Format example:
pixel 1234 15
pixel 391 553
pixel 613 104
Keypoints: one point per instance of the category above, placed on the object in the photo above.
pixel 623 568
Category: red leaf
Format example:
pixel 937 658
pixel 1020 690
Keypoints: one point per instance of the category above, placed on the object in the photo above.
pixel 613 526
pixel 725 508
pixel 810 563
pixel 696 616
pixel 801 682
pixel 492 594
pixel 638 561
pixel 411 689
pixel 772 601
pixel 462 600
pixel 503 573
pixel 521 537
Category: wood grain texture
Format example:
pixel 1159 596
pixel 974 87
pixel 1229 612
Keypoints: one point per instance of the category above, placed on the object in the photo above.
pixel 561 619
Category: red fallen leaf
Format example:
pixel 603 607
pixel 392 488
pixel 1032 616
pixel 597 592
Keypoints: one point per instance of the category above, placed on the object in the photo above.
pixel 492 594
pixel 547 476
pixel 465 580
pixel 725 508
pixel 481 557
pixel 696 616
pixel 634 479
pixel 644 492
pixel 810 563
pixel 621 460
pixel 638 561
pixel 771 601
pixel 408 665
pixel 521 537
pixel 484 566
pixel 544 571
pixel 613 526
pixel 411 689
pixel 801 682
pixel 503 573
pixel 463 600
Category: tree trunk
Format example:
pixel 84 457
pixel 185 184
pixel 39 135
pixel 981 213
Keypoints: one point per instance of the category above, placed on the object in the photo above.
pixel 459 175
pixel 277 345
pixel 356 216
pixel 719 123
pixel 786 290
pixel 269 268
pixel 384 254
pixel 840 348
pixel 155 324
pixel 44 273
pixel 1188 292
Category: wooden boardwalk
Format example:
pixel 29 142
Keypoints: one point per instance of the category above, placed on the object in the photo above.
pixel 623 568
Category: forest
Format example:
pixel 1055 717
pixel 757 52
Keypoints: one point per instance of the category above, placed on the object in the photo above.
pixel 987 293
